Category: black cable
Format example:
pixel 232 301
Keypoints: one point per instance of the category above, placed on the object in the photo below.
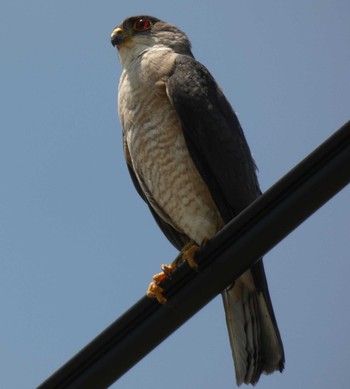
pixel 248 237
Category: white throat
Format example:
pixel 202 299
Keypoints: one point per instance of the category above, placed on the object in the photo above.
pixel 127 54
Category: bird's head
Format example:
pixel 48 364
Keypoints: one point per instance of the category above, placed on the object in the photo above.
pixel 139 33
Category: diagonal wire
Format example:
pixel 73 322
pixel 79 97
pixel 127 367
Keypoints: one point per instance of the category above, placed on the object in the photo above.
pixel 248 237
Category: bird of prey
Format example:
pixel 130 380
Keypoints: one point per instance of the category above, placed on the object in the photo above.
pixel 190 162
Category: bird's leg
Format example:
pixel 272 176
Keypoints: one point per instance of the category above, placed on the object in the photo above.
pixel 189 250
pixel 154 290
pixel 186 254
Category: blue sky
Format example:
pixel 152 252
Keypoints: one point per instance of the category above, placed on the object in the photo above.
pixel 77 245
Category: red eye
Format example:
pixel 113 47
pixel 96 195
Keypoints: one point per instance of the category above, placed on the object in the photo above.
pixel 142 24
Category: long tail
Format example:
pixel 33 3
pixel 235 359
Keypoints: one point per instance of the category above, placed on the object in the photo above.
pixel 254 336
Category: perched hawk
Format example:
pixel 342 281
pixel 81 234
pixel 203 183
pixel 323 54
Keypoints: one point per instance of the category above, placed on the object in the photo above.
pixel 190 162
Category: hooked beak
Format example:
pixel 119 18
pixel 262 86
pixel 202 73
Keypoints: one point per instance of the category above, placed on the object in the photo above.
pixel 117 36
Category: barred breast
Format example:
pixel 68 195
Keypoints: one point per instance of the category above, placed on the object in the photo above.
pixel 159 156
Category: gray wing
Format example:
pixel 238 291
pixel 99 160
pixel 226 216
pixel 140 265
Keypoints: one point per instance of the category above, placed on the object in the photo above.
pixel 215 141
pixel 214 137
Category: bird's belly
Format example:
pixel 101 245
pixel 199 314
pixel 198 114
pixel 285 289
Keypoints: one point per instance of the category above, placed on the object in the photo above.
pixel 167 174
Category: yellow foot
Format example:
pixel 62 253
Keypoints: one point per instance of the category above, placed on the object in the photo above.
pixel 187 254
pixel 154 290
pixel 189 251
